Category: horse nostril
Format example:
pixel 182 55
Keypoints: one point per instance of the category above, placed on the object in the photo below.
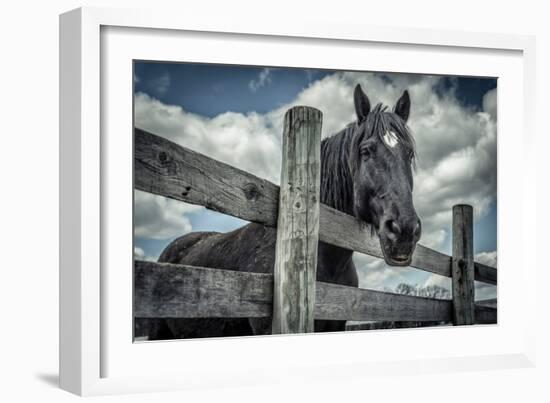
pixel 393 227
pixel 417 229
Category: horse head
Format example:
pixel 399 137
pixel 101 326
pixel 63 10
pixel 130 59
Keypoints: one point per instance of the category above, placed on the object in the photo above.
pixel 381 160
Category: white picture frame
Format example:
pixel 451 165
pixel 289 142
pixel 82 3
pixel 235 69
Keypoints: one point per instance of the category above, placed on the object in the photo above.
pixel 93 350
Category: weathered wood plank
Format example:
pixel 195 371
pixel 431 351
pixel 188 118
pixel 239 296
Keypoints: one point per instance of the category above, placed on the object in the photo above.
pixel 491 302
pixel 378 325
pixel 336 302
pixel 167 169
pixel 484 273
pixel 298 222
pixel 463 265
pixel 485 315
pixel 164 290
pixel 340 229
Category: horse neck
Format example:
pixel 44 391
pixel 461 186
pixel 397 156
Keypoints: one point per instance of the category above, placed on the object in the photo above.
pixel 336 192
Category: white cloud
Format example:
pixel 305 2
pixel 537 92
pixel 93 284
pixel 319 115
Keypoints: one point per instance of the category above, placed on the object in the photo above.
pixel 490 103
pixel 264 77
pixel 139 254
pixel 488 258
pixel 247 141
pixel 160 218
pixel 440 281
pixel 374 274
pixel 484 291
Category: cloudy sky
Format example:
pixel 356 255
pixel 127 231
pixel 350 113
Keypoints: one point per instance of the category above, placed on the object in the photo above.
pixel 235 114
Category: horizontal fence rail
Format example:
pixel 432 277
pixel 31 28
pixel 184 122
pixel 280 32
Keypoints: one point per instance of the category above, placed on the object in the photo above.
pixel 170 170
pixel 164 290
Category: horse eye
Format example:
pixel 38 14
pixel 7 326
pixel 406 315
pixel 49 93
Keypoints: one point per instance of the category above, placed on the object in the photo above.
pixel 367 149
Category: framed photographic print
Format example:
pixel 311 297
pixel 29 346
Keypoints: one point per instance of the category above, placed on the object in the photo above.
pixel 238 201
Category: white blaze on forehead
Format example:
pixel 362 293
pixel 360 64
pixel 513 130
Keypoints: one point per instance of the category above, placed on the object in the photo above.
pixel 390 138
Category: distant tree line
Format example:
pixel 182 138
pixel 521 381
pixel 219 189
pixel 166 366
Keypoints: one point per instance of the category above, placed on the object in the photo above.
pixel 430 291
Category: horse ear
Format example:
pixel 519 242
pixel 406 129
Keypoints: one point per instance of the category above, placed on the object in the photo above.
pixel 362 103
pixel 403 106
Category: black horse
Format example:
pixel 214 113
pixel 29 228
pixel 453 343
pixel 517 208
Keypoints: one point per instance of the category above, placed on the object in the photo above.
pixel 366 171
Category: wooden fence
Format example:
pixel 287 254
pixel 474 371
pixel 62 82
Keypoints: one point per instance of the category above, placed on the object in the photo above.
pixel 291 296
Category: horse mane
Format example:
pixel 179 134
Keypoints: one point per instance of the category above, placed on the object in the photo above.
pixel 340 154
pixel 336 179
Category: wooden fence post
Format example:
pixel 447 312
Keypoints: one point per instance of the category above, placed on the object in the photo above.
pixel 298 222
pixel 463 265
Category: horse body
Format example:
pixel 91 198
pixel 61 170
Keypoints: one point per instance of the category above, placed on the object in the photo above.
pixel 364 174
pixel 248 249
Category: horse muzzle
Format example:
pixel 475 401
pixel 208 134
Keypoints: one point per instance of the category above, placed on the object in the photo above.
pixel 398 240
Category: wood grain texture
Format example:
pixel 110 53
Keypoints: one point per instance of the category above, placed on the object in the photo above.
pixel 167 169
pixel 382 325
pixel 491 302
pixel 485 274
pixel 485 315
pixel 340 229
pixel 298 222
pixel 336 302
pixel 164 290
pixel 463 265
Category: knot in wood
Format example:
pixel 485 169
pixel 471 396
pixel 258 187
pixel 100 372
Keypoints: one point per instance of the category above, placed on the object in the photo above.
pixel 163 157
pixel 251 192
pixel 461 264
pixel 185 192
